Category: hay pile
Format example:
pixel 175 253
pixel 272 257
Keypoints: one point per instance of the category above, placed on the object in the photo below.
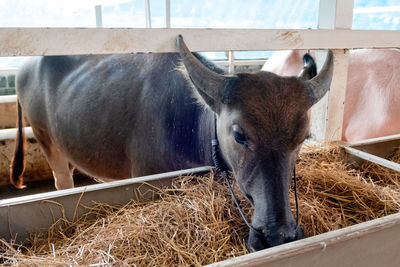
pixel 193 224
pixel 333 195
pixel 196 223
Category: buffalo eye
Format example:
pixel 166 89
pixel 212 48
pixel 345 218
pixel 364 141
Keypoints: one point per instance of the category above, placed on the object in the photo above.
pixel 240 138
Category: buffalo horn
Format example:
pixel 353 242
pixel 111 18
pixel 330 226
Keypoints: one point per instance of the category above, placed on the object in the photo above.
pixel 320 84
pixel 212 84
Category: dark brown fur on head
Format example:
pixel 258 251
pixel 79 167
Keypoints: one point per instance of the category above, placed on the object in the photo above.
pixel 274 109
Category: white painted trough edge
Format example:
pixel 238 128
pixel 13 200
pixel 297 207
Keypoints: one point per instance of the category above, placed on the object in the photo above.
pixel 36 213
pixel 373 140
pixel 372 158
pixel 101 186
pixel 372 243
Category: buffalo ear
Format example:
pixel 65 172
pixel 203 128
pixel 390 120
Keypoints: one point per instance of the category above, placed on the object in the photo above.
pixel 309 70
pixel 213 88
pixel 320 84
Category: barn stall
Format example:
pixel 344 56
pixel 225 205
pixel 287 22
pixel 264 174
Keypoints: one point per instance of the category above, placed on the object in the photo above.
pixel 350 245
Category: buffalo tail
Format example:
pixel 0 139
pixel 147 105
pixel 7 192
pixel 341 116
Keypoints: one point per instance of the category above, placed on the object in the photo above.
pixel 17 164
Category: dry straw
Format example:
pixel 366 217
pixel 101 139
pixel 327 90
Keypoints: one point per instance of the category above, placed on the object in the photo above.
pixel 195 222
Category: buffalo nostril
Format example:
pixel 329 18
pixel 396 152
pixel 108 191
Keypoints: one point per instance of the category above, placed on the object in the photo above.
pixel 249 198
pixel 280 237
pixel 266 232
pixel 290 237
pixel 272 236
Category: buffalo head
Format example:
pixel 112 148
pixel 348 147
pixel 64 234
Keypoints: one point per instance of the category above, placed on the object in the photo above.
pixel 261 123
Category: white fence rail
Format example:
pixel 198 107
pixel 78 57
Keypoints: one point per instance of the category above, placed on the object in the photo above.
pixel 242 62
pixel 75 41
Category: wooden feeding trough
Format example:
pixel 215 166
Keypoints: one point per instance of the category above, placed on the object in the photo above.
pixel 348 246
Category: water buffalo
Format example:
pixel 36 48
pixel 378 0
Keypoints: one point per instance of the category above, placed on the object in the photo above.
pixel 372 103
pixel 120 116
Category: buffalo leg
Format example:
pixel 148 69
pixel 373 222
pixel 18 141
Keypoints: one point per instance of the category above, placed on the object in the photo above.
pixel 62 169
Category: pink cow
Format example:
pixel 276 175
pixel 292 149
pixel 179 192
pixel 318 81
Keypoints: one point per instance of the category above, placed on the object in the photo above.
pixel 372 105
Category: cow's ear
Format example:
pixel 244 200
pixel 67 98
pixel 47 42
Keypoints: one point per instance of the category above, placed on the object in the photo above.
pixel 215 89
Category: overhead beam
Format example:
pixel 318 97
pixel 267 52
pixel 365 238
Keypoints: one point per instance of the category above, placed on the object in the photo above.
pixel 75 41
